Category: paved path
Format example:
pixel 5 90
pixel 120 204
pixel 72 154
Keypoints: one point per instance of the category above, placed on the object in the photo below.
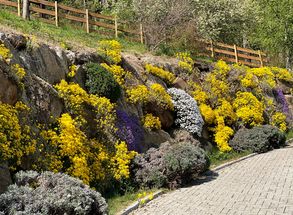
pixel 259 185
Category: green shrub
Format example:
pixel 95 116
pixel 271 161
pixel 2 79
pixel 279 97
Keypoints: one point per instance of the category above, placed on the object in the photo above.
pixel 101 82
pixel 258 139
pixel 169 165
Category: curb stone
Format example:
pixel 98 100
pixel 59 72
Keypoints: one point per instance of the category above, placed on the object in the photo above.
pixel 136 205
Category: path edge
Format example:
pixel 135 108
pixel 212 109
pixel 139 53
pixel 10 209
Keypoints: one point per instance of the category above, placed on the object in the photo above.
pixel 136 205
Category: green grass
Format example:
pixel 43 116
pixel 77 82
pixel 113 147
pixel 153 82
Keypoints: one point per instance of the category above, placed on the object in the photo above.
pixel 289 134
pixel 217 158
pixel 119 202
pixel 72 35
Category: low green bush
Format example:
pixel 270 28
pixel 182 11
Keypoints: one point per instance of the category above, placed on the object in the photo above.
pixel 101 82
pixel 258 139
pixel 169 166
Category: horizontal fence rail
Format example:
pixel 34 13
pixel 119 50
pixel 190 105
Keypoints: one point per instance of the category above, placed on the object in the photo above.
pixel 235 54
pixel 54 13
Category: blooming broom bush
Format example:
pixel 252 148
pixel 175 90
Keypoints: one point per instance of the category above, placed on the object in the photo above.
pixel 49 193
pixel 161 73
pixel 185 61
pixel 111 50
pixel 235 96
pixel 15 139
pixel 187 111
pixel 151 122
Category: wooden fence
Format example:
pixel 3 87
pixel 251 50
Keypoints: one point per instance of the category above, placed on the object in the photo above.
pixel 236 54
pixel 53 12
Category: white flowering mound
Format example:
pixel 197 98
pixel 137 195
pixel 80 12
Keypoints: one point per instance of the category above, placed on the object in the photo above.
pixel 188 114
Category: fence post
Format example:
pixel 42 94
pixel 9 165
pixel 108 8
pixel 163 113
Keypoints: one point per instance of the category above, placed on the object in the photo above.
pixel 26 9
pixel 236 54
pixel 212 49
pixel 260 58
pixel 141 33
pixel 116 27
pixel 18 8
pixel 56 14
pixel 87 21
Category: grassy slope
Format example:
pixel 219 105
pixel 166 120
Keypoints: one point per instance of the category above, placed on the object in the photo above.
pixel 74 37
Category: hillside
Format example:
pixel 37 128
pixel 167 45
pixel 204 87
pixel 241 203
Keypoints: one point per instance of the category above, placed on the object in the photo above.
pixel 119 118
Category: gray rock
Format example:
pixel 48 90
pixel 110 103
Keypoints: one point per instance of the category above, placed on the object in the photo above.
pixel 5 177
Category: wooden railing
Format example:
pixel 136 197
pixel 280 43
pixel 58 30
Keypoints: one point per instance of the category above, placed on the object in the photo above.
pixel 52 12
pixel 236 54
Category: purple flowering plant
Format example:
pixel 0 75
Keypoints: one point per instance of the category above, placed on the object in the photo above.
pixel 129 130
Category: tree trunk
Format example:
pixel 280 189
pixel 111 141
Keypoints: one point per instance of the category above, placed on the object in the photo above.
pixel 25 9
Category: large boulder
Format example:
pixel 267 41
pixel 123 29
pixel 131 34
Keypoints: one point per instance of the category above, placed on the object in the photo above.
pixel 5 177
pixel 8 87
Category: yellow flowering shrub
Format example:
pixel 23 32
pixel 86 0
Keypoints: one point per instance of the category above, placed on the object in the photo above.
pixel 222 137
pixel 19 71
pixel 138 94
pixel 71 151
pixel 118 72
pixel 279 120
pixel 264 74
pixel 15 140
pixel 161 73
pixel 75 98
pixel 121 160
pixel 151 122
pixel 282 74
pixel 248 108
pixel 249 80
pixel 198 93
pixel 225 109
pixel 185 61
pixel 110 49
pixel 208 114
pixel 219 88
pixel 161 97
pixel 72 71
pixel 222 68
pixel 5 53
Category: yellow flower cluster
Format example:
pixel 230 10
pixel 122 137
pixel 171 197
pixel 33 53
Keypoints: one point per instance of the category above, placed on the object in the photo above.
pixel 151 122
pixel 161 73
pixel 207 113
pixel 19 71
pixel 138 94
pixel 282 74
pixel 118 72
pixel 15 140
pixel 185 61
pixel 219 88
pixel 121 160
pixel 222 135
pixel 225 110
pixel 72 71
pixel 71 151
pixel 75 97
pixel 198 93
pixel 5 53
pixel 248 108
pixel 222 68
pixel 161 97
pixel 264 74
pixel 279 120
pixel 111 49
